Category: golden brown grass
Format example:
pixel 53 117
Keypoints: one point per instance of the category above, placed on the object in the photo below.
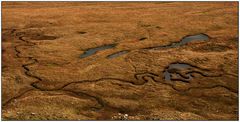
pixel 44 78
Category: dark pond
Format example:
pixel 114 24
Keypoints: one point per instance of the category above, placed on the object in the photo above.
pixel 92 51
pixel 176 69
pixel 183 41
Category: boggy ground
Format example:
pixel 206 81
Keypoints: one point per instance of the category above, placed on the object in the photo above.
pixel 44 76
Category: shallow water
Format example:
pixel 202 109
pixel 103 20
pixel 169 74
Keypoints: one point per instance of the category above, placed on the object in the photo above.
pixel 179 66
pixel 183 41
pixel 114 55
pixel 92 51
pixel 173 69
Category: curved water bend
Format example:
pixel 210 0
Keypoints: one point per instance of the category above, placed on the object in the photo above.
pixel 92 51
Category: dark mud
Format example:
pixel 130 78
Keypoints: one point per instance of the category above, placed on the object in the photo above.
pixel 81 32
pixel 143 38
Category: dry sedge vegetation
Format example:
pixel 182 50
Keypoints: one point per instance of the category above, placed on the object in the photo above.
pixel 46 77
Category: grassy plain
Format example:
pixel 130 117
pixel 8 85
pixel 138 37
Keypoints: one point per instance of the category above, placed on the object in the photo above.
pixel 44 78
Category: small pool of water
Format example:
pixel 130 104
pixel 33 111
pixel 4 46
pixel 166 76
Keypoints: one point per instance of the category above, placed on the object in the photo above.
pixel 174 69
pixel 183 41
pixel 92 51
